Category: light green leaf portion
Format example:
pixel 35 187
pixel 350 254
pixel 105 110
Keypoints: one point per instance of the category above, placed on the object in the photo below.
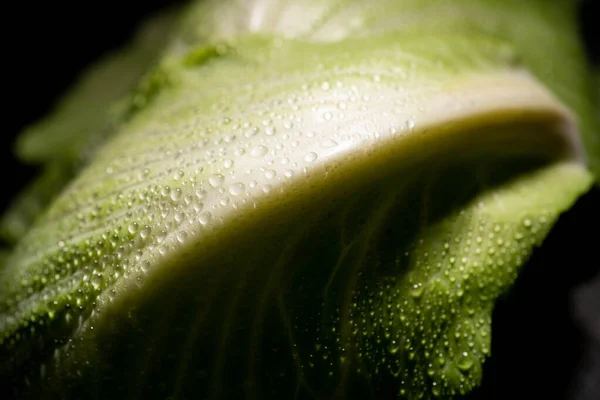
pixel 542 34
pixel 356 193
pixel 237 136
pixel 434 324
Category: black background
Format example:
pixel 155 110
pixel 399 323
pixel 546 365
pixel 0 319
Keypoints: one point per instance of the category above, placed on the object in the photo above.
pixel 546 334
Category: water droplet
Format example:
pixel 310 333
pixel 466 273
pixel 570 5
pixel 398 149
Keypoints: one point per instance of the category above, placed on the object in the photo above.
pixel 237 188
pixel 328 143
pixel 96 280
pixel 216 180
pixel 181 236
pixel 179 217
pixel 205 218
pixel 239 151
pixel 176 194
pixel 145 232
pixel 518 236
pixel 132 228
pixel 228 164
pixel 270 174
pixel 258 151
pixel 465 362
pixel 251 132
pixel 310 157
pixel 417 290
pixel 200 194
pixel 178 175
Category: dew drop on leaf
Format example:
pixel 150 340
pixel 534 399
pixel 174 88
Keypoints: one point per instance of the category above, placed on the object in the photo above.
pixel 258 151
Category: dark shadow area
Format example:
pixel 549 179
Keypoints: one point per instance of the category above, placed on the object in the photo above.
pixel 45 47
pixel 537 343
pixel 546 338
pixel 589 12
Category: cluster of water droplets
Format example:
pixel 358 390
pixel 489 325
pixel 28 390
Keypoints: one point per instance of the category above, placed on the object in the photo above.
pixel 431 328
pixel 180 167
pixel 187 162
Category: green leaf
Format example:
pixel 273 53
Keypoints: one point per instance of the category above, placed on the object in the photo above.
pixel 304 208
pixel 543 35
